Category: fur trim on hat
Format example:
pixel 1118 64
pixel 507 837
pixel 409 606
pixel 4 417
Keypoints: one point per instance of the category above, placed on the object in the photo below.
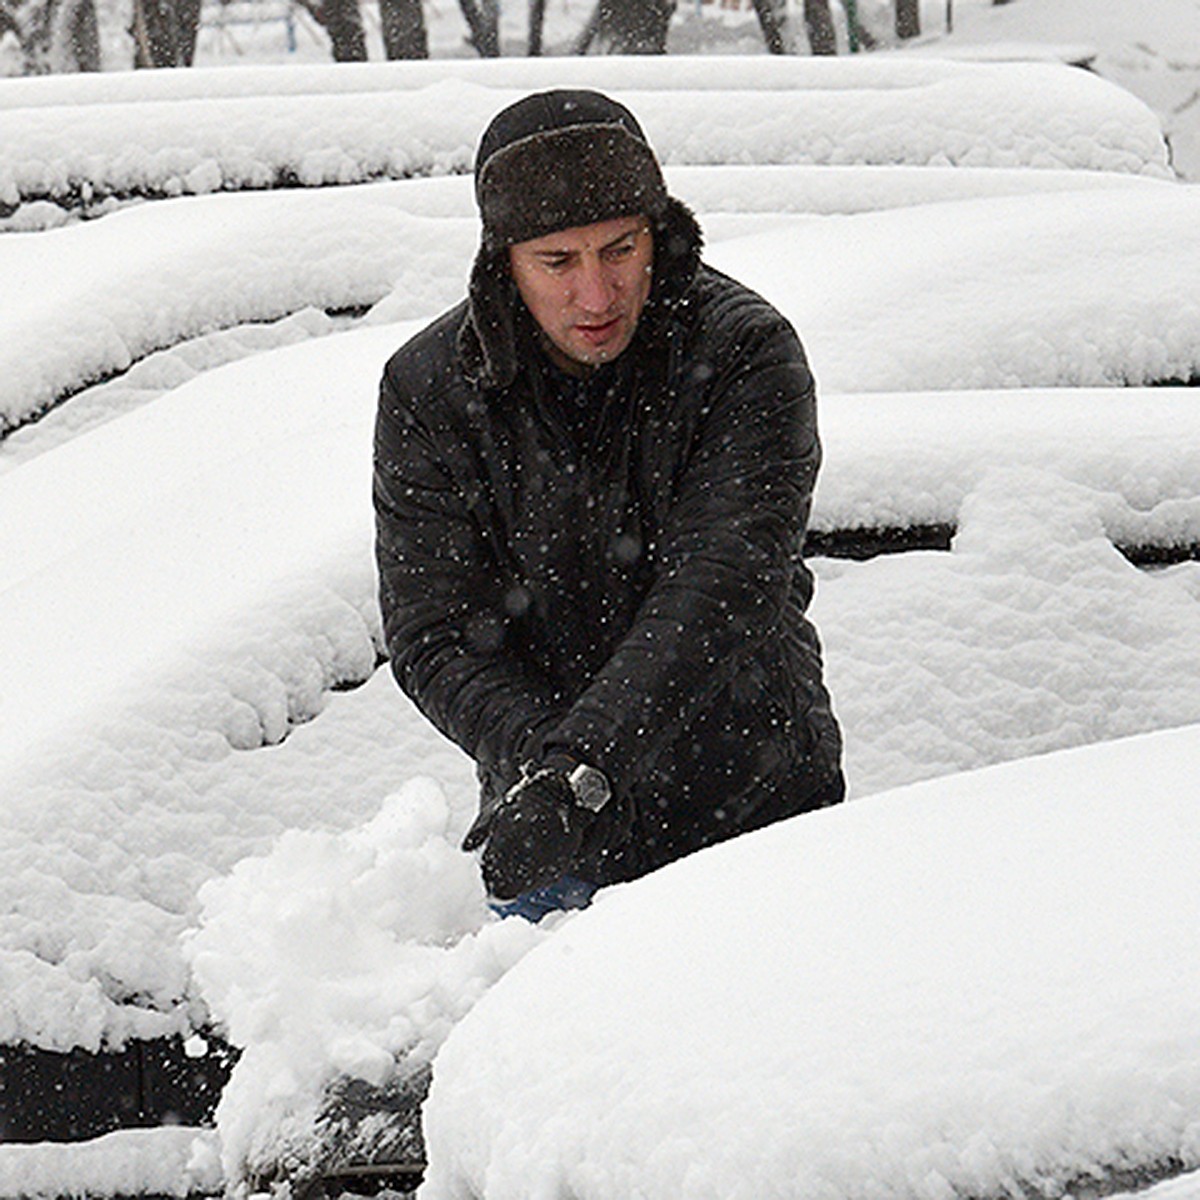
pixel 564 178
pixel 498 329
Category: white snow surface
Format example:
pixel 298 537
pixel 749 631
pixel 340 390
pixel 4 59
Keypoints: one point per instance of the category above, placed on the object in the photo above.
pixel 1151 49
pixel 862 111
pixel 86 301
pixel 172 1161
pixel 243 594
pixel 334 954
pixel 130 745
pixel 155 375
pixel 709 72
pixel 189 580
pixel 967 987
pixel 1091 282
pixel 929 298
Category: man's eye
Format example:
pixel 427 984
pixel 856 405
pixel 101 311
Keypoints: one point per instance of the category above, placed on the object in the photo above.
pixel 615 253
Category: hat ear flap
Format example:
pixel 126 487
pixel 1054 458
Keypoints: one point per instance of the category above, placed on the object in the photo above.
pixel 492 305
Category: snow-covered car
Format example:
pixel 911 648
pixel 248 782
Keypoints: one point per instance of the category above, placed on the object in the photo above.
pixel 991 266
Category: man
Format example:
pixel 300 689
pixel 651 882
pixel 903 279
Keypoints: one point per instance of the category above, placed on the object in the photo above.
pixel 592 480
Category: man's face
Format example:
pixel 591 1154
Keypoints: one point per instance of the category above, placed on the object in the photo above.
pixel 586 287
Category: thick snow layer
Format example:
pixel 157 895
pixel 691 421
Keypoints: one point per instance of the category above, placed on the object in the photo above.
pixel 132 1162
pixel 970 987
pixel 154 376
pixel 199 577
pixel 1032 634
pixel 951 296
pixel 910 458
pixel 1151 49
pixel 1096 284
pixel 830 189
pixel 1035 115
pixel 336 953
pixel 241 594
pixel 85 301
pixel 648 73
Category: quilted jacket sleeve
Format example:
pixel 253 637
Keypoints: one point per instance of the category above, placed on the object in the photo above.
pixel 447 609
pixel 727 562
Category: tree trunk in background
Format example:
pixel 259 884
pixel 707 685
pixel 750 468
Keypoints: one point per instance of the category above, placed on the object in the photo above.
pixel 189 29
pixel 404 34
pixel 537 22
pixel 75 36
pixel 483 20
pixel 584 42
pixel 343 24
pixel 155 34
pixel 771 25
pixel 628 27
pixel 908 19
pixel 818 24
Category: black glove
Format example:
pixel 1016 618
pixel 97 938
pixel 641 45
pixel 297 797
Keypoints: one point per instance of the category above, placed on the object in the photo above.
pixel 534 835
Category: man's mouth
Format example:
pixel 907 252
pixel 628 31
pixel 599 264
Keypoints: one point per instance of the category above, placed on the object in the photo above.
pixel 597 332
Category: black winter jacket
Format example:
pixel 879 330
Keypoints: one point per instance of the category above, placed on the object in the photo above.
pixel 612 571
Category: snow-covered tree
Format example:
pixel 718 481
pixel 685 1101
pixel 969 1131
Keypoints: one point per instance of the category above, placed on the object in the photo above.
pixel 53 35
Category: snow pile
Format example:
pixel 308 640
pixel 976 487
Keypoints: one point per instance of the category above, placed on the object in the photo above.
pixel 1036 115
pixel 1097 284
pixel 132 1162
pixel 336 954
pixel 86 301
pixel 1151 49
pixel 982 986
pixel 1032 635
pixel 90 956
pixel 198 577
pixel 243 594
pixel 903 459
pixel 1098 288
pixel 154 376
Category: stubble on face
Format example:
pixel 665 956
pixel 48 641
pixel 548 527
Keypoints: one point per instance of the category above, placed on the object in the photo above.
pixel 586 287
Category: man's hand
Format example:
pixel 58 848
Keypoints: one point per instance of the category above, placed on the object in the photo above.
pixel 534 836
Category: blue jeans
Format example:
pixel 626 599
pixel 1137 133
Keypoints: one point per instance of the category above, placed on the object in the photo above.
pixel 564 893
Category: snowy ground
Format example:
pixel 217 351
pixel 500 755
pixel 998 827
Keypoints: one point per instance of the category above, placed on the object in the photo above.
pixel 187 589
pixel 980 986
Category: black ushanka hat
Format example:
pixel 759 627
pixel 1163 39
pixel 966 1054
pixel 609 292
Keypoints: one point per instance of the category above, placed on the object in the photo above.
pixel 558 160
pixel 562 159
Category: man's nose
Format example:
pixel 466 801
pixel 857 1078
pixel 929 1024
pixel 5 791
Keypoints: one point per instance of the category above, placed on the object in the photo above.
pixel 595 288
